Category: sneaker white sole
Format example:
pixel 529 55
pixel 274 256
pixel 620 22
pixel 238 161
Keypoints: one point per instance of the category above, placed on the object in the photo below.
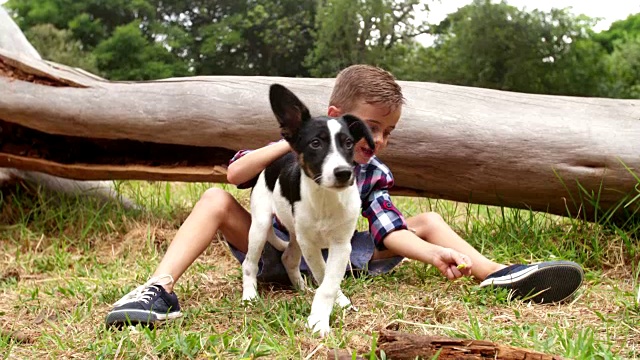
pixel 546 282
pixel 135 316
pixel 510 278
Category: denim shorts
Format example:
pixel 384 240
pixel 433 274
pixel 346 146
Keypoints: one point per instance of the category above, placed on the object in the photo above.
pixel 271 269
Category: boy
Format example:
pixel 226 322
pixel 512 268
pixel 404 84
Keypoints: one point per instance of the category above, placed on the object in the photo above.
pixel 374 96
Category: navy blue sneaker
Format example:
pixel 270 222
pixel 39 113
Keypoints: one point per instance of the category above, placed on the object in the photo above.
pixel 148 305
pixel 542 283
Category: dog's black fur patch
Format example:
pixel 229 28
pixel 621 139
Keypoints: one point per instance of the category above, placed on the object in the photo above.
pixel 285 168
pixel 310 139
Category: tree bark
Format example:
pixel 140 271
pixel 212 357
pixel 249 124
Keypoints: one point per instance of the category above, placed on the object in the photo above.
pixel 397 345
pixel 12 39
pixel 545 153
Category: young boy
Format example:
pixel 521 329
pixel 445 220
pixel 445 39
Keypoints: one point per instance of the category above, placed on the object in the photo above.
pixel 373 95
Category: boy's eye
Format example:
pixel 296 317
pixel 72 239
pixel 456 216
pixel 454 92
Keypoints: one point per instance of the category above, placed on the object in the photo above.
pixel 315 144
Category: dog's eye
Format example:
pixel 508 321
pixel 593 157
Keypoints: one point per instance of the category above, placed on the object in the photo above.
pixel 348 144
pixel 315 144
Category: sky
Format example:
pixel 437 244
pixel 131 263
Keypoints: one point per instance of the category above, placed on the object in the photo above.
pixel 609 10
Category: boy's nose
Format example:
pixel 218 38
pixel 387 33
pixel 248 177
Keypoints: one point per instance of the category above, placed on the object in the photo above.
pixel 378 139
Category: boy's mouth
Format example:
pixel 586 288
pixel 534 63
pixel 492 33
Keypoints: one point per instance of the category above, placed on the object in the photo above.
pixel 366 151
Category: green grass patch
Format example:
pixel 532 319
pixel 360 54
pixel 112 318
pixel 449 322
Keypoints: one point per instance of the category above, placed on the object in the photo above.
pixel 65 260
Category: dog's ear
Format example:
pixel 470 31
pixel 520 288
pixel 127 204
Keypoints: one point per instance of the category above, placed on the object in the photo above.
pixel 359 130
pixel 289 111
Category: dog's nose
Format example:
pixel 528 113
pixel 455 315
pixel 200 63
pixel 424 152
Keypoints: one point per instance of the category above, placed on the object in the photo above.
pixel 342 173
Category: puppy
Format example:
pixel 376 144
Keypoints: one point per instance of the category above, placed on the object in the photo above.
pixel 313 193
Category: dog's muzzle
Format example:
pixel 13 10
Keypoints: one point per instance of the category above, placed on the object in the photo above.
pixel 343 175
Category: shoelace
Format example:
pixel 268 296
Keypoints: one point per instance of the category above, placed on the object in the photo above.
pixel 144 291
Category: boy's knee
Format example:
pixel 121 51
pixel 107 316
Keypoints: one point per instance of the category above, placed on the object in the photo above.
pixel 427 223
pixel 432 217
pixel 216 199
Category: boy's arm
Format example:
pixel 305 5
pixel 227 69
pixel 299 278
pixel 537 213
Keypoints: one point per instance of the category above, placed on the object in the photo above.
pixel 406 243
pixel 389 229
pixel 250 165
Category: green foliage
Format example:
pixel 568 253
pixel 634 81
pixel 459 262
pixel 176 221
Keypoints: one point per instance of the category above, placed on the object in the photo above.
pixel 374 32
pixel 71 258
pixel 484 44
pixel 619 30
pixel 261 37
pixel 59 46
pixel 501 47
pixel 127 55
pixel 624 65
pixel 90 21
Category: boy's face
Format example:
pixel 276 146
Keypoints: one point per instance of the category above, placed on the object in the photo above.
pixel 380 119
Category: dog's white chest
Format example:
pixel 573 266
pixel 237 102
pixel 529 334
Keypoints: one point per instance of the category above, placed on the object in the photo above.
pixel 321 216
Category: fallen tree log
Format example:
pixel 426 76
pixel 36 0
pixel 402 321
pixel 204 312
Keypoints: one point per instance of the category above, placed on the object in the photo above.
pixel 538 152
pixel 398 345
pixel 12 39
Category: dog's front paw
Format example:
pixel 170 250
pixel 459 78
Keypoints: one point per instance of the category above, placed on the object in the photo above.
pixel 249 295
pixel 343 302
pixel 319 324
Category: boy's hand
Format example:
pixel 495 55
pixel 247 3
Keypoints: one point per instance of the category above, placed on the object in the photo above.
pixel 451 263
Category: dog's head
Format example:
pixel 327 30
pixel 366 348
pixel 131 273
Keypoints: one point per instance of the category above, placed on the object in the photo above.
pixel 324 145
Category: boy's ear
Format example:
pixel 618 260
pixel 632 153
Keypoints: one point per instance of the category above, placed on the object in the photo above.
pixel 289 110
pixel 334 111
pixel 359 130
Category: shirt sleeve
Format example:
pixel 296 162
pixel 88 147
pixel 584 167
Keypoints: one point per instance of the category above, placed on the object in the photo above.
pixel 248 184
pixel 238 155
pixel 251 183
pixel 384 218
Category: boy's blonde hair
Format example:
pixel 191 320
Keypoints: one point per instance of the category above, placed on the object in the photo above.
pixel 367 83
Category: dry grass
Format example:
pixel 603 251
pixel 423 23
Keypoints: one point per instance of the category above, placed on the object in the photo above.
pixel 59 276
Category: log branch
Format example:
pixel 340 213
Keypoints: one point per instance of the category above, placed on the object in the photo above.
pixel 398 345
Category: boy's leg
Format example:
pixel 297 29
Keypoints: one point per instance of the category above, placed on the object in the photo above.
pixel 216 210
pixel 431 227
pixel 155 301
pixel 552 281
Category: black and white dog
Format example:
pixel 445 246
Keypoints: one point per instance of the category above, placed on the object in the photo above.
pixel 313 193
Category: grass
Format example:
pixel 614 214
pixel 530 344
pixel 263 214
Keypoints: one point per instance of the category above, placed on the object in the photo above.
pixel 64 261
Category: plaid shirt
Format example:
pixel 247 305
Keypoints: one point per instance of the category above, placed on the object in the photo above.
pixel 374 180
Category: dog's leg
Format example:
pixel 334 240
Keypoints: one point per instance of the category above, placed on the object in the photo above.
pixel 291 261
pixel 343 301
pixel 261 222
pixel 329 281
pixel 276 242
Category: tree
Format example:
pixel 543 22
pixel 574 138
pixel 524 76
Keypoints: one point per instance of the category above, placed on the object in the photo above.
pixel 624 65
pixel 501 47
pixel 127 55
pixel 619 30
pixel 622 42
pixel 178 37
pixel 262 37
pixel 373 32
pixel 90 21
pixel 118 35
pixel 59 46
